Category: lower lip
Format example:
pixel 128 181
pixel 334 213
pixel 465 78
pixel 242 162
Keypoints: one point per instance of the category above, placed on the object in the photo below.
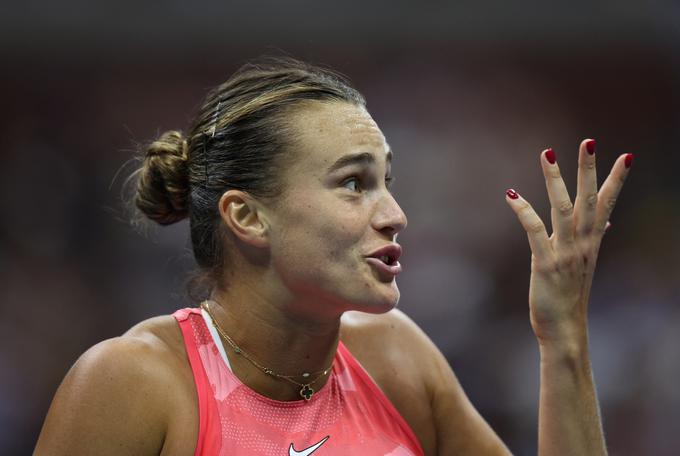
pixel 387 270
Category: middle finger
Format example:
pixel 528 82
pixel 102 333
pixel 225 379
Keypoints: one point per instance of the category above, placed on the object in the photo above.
pixel 562 210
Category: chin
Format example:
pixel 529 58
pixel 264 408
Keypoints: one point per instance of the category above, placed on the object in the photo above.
pixel 379 302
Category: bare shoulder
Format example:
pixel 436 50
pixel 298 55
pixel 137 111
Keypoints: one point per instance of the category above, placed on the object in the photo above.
pixel 394 333
pixel 390 341
pixel 119 396
pixel 160 334
pixel 396 354
pixel 416 377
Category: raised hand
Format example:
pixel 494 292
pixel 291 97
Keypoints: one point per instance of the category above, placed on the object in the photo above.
pixel 562 265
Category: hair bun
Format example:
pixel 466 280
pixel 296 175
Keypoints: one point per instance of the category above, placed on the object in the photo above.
pixel 163 185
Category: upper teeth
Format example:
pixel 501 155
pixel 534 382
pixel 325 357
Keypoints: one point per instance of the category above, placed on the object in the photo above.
pixel 385 259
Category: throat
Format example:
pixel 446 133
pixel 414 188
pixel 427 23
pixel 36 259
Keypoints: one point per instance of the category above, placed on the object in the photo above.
pixel 278 369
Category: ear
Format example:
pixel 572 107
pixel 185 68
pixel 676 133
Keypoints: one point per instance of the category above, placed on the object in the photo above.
pixel 244 217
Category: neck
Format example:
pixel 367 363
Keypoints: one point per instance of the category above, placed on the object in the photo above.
pixel 275 337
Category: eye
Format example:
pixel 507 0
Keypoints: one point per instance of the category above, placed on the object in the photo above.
pixel 352 184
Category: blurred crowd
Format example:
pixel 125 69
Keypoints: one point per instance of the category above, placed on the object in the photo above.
pixel 466 120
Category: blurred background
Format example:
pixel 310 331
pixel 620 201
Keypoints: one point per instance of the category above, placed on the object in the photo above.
pixel 467 93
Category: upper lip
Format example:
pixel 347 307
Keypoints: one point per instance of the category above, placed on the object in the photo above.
pixel 393 251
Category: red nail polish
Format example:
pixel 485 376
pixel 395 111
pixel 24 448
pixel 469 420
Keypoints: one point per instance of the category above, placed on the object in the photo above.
pixel 550 156
pixel 512 194
pixel 590 146
pixel 629 160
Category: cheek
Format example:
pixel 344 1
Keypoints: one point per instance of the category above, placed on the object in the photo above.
pixel 331 240
pixel 341 232
pixel 317 237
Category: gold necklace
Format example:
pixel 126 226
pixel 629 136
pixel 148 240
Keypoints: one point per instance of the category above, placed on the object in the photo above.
pixel 306 390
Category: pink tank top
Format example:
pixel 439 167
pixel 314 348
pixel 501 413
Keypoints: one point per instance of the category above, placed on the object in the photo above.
pixel 349 415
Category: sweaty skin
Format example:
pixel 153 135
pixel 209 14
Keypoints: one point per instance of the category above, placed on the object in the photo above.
pixel 135 395
pixel 562 269
pixel 299 282
pixel 298 278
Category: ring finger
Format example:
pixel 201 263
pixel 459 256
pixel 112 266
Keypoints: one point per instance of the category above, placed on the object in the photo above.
pixel 585 205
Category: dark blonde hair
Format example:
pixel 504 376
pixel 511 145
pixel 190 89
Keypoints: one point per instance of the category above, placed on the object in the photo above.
pixel 239 139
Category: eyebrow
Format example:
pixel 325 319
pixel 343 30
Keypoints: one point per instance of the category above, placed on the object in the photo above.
pixel 362 158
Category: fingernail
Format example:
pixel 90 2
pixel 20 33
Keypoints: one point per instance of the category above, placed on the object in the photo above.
pixel 590 146
pixel 629 160
pixel 512 194
pixel 550 156
pixel 607 226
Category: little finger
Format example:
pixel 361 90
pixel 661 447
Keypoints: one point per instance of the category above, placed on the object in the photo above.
pixel 610 190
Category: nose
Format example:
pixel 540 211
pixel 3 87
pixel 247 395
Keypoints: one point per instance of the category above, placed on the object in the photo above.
pixel 389 218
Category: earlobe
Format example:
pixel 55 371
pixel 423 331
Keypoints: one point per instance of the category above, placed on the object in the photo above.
pixel 243 217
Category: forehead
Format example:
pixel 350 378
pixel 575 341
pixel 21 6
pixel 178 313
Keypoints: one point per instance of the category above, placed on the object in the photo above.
pixel 330 130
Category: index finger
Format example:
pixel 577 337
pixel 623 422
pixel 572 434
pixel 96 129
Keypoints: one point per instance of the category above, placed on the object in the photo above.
pixel 532 223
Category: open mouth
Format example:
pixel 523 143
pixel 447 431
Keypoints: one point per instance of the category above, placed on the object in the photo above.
pixel 388 254
pixel 388 260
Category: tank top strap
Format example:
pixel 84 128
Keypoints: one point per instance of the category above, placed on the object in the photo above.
pixel 348 412
pixel 208 413
pixel 386 412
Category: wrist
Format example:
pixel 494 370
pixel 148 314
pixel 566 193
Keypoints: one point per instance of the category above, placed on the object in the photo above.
pixel 565 332
pixel 572 353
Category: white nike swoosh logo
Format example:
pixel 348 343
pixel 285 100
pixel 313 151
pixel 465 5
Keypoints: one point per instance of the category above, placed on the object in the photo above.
pixel 307 451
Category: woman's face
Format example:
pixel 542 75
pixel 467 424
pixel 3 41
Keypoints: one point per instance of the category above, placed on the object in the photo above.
pixel 336 211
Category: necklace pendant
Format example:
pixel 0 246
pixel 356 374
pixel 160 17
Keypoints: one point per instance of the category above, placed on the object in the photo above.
pixel 306 392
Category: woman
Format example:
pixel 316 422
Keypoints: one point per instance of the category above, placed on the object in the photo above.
pixel 299 349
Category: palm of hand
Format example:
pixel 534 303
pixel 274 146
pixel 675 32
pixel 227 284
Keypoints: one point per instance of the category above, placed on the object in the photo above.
pixel 563 265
